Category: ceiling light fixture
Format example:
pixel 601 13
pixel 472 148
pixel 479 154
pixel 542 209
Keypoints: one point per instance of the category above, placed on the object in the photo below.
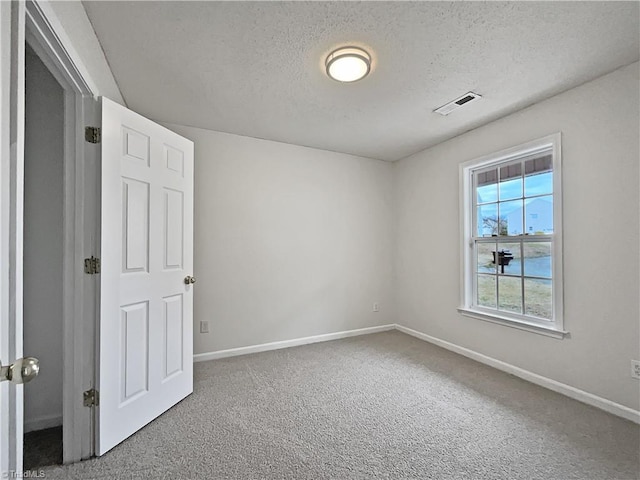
pixel 348 64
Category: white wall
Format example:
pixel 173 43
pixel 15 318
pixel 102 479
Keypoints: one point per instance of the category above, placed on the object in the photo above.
pixel 600 128
pixel 43 207
pixel 71 23
pixel 289 241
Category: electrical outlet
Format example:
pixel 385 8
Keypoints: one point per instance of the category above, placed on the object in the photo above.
pixel 376 307
pixel 635 369
pixel 204 327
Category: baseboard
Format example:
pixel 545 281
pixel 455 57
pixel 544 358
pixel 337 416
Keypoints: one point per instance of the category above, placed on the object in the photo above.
pixel 264 347
pixel 572 392
pixel 40 423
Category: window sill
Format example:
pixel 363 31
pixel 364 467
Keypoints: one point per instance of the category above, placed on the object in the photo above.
pixel 508 322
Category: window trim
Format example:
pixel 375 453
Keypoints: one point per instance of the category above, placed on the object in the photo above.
pixel 555 327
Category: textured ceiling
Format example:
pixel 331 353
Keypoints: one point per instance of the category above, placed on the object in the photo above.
pixel 256 68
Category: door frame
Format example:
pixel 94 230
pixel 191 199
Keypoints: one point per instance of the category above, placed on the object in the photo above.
pixel 80 236
pixel 11 163
pixel 32 23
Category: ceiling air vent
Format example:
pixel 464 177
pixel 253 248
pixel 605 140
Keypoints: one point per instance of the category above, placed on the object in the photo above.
pixel 457 103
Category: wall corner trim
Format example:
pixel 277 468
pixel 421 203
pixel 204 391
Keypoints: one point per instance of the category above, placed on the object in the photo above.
pixel 562 388
pixel 265 347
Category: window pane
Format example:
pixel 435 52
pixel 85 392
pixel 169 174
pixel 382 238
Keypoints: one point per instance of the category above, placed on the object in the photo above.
pixel 488 220
pixel 538 298
pixel 538 176
pixel 508 256
pixel 510 294
pixel 537 259
pixel 485 262
pixel 511 181
pixel 511 217
pixel 486 291
pixel 539 184
pixel 487 186
pixel 539 215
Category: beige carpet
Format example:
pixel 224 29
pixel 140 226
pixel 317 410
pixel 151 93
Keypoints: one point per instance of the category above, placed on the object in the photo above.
pixel 378 406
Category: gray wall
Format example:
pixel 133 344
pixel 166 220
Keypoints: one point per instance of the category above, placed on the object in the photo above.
pixel 44 136
pixel 599 122
pixel 289 241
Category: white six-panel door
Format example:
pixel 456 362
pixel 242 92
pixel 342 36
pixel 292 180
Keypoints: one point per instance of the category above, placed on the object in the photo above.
pixel 146 309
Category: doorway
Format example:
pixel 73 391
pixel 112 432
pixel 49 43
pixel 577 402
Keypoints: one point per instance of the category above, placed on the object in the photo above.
pixel 43 261
pixel 26 29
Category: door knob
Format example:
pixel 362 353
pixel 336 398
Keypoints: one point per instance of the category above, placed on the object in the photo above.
pixel 22 371
pixel 188 280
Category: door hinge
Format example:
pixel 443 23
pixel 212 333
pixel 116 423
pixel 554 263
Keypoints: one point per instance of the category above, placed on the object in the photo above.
pixel 91 398
pixel 92 134
pixel 91 265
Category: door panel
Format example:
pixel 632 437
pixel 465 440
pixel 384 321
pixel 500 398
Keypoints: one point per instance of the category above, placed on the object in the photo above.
pixel 173 229
pixel 173 328
pixel 135 214
pixel 134 351
pixel 146 309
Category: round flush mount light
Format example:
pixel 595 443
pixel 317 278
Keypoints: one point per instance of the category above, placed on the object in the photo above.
pixel 348 64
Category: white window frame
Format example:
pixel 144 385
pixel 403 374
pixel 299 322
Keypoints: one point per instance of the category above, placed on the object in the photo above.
pixel 554 327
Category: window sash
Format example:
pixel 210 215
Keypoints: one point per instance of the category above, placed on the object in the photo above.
pixel 522 276
pixel 543 154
